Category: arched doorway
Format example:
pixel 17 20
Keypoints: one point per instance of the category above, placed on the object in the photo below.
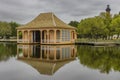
pixel 44 36
pixel 20 35
pixel 25 37
pixel 58 36
pixel 51 36
pixel 36 36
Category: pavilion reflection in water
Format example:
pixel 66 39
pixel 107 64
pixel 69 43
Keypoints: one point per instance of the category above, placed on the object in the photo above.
pixel 46 59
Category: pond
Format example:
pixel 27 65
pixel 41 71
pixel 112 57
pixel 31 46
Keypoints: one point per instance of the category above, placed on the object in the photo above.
pixel 59 62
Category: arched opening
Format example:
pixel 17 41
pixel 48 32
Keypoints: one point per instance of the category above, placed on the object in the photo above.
pixel 36 36
pixel 44 36
pixel 20 35
pixel 51 36
pixel 58 36
pixel 25 37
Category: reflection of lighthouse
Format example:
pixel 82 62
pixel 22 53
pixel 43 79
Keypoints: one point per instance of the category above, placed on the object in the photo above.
pixel 47 52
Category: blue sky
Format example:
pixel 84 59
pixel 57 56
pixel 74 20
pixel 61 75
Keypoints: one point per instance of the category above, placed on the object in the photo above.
pixel 23 11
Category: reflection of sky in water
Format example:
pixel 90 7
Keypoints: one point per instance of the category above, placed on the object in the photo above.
pixel 17 70
pixel 76 69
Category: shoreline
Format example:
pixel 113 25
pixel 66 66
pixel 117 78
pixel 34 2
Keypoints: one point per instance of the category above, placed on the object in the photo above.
pixel 98 43
pixel 77 43
pixel 8 40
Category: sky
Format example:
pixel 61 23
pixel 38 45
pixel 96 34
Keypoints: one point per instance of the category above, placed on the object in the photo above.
pixel 23 11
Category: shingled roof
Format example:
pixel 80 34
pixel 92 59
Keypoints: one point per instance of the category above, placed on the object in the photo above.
pixel 48 68
pixel 46 20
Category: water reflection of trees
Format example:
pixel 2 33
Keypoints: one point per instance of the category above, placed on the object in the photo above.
pixel 7 50
pixel 104 59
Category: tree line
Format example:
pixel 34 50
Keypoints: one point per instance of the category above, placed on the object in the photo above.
pixel 103 26
pixel 8 29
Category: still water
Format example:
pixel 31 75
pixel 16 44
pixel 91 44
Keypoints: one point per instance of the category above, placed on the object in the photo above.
pixel 58 62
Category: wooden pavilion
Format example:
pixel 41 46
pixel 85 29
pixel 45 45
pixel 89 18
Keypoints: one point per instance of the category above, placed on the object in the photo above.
pixel 46 28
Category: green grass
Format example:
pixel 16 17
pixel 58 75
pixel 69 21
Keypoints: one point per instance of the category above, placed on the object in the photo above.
pixel 94 40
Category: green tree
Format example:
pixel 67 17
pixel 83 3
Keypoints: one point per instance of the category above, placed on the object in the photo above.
pixel 115 25
pixel 13 28
pixel 107 18
pixel 5 29
pixel 74 23
pixel 92 27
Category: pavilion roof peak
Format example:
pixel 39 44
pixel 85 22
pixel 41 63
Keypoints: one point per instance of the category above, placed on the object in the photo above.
pixel 46 20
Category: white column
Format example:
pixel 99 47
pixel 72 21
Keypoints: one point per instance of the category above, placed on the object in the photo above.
pixel 41 35
pixel 45 33
pixel 47 36
pixel 28 38
pixel 41 53
pixel 60 36
pixel 54 36
pixel 54 53
pixel 22 36
pixel 34 36
pixel 17 35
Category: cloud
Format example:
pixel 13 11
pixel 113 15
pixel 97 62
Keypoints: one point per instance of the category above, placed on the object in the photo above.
pixel 23 11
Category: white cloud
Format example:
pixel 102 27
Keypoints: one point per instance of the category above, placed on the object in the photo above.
pixel 23 11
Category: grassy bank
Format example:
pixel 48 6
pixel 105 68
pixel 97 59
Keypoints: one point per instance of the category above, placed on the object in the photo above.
pixel 98 40
pixel 8 40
